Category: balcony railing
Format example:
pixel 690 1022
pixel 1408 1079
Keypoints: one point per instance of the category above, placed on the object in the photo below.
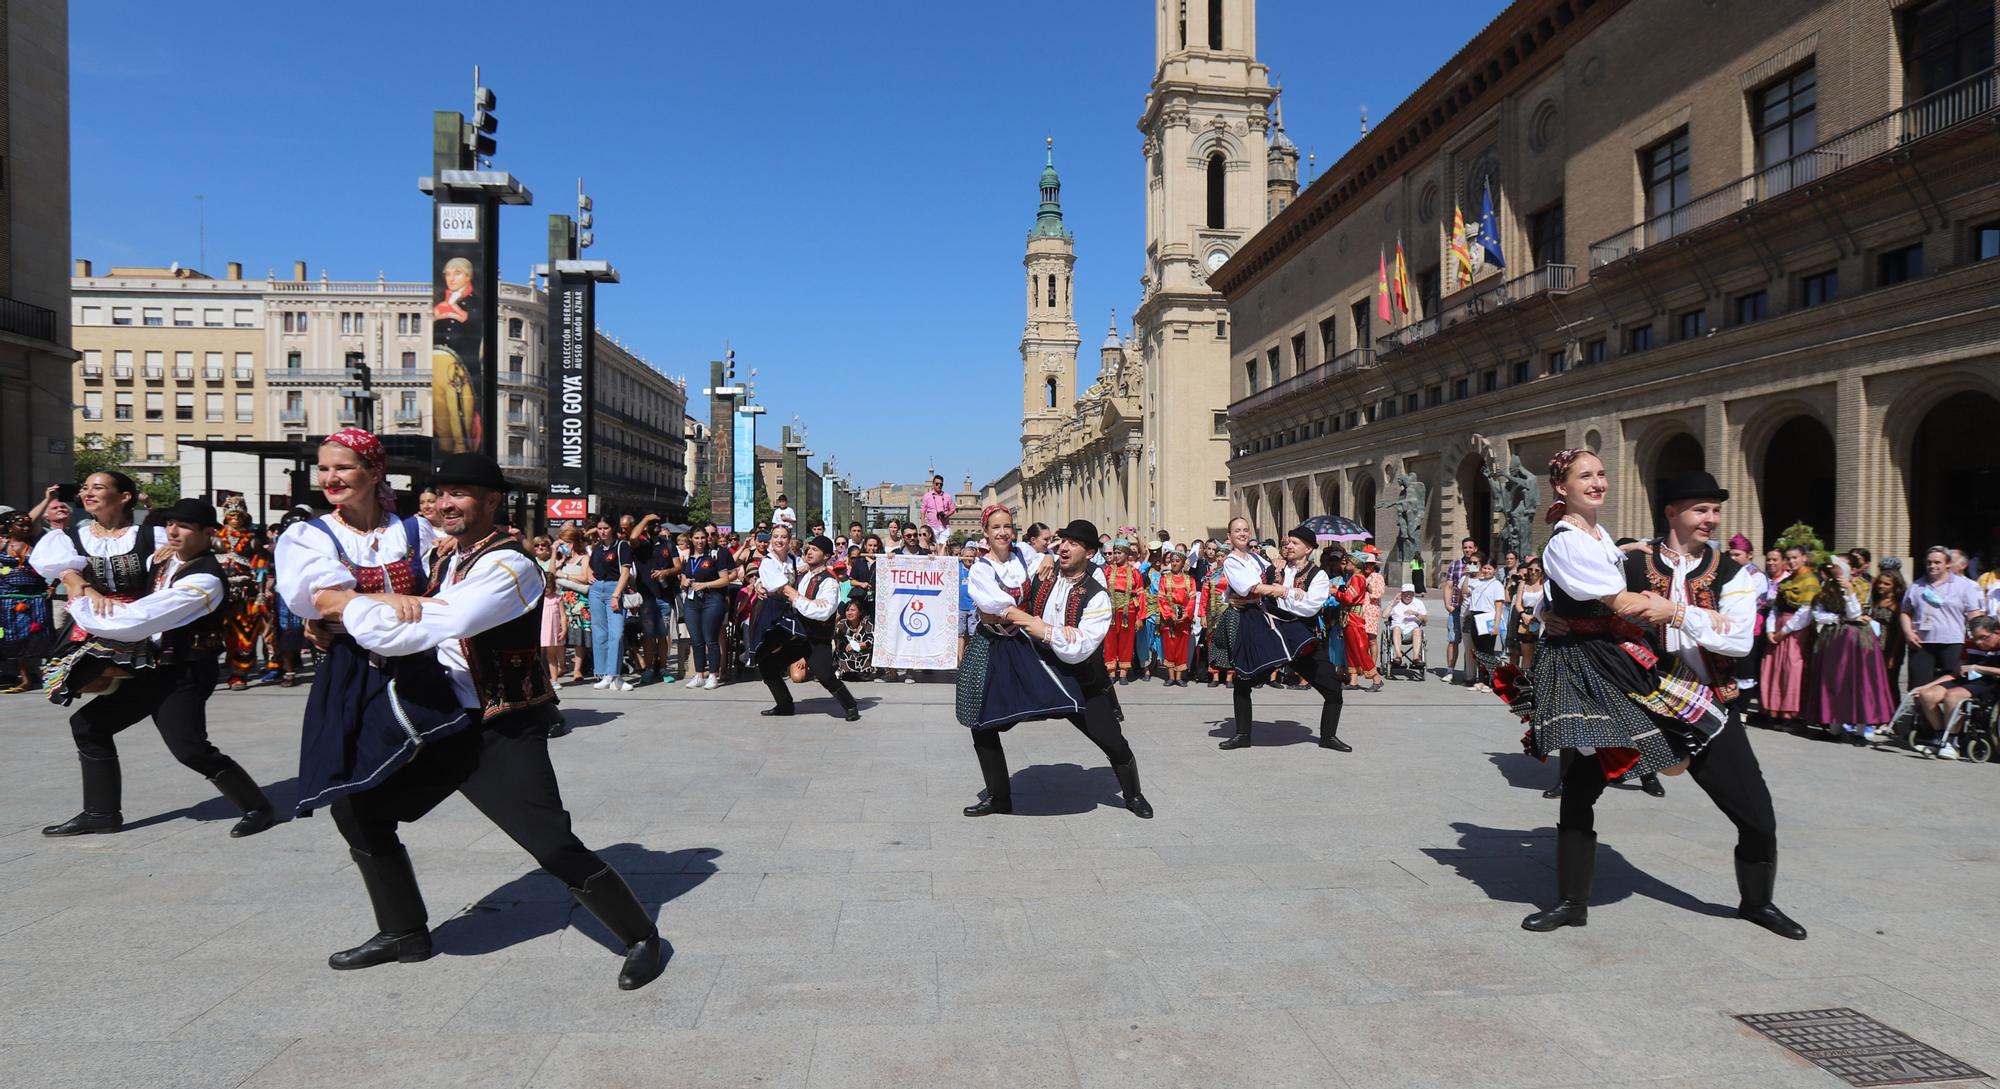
pixel 519 461
pixel 346 287
pixel 1397 339
pixel 93 370
pixel 521 378
pixel 93 414
pixel 121 370
pixel 1345 363
pixel 185 374
pixel 409 416
pixel 292 415
pixel 211 374
pixel 26 319
pixel 246 374
pixel 1955 105
pixel 154 374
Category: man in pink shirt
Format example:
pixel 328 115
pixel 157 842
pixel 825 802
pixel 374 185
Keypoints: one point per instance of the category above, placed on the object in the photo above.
pixel 938 507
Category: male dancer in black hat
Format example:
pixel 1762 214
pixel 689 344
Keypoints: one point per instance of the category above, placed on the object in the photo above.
pixel 1714 622
pixel 482 618
pixel 178 612
pixel 1274 606
pixel 1068 610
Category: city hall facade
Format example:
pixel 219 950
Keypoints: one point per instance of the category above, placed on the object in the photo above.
pixel 1756 239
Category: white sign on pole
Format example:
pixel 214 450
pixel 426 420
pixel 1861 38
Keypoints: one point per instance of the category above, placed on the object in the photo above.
pixel 916 612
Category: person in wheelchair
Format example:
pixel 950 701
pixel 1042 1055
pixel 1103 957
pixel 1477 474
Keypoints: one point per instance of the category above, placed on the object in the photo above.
pixel 1977 679
pixel 1407 615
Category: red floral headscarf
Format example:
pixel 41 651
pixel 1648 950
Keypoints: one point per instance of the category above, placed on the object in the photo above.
pixel 1558 472
pixel 373 456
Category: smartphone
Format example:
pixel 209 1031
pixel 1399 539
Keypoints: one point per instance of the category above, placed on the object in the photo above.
pixel 67 493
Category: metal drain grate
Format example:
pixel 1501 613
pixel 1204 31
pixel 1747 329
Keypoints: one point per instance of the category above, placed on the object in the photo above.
pixel 1857 1048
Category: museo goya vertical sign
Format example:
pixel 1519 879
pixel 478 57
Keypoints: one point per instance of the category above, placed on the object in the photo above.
pixel 570 348
pixel 463 313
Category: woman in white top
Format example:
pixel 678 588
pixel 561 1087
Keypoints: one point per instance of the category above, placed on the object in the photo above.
pixel 176 622
pixel 1273 607
pixel 1483 594
pixel 1002 679
pixel 106 559
pixel 805 632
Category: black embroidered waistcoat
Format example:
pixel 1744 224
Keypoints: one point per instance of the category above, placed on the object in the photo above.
pixel 508 670
pixel 1089 674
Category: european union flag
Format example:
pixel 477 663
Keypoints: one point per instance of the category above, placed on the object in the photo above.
pixel 1488 237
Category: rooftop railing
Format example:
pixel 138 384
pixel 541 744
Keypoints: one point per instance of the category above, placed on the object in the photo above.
pixel 1961 102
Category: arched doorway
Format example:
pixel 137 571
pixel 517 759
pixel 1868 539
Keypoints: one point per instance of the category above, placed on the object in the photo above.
pixel 1475 505
pixel 1797 483
pixel 1364 500
pixel 1954 483
pixel 1680 454
pixel 1329 494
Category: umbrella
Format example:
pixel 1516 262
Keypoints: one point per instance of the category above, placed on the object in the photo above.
pixel 1332 527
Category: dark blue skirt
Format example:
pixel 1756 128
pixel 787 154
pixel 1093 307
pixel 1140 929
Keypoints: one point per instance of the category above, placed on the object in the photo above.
pixel 1267 641
pixel 364 721
pixel 1006 679
pixel 772 620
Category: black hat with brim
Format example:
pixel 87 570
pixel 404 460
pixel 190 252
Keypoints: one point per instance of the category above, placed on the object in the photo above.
pixel 1082 531
pixel 194 512
pixel 469 470
pixel 1682 487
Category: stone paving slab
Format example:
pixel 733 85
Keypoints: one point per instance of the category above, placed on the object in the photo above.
pixel 1292 917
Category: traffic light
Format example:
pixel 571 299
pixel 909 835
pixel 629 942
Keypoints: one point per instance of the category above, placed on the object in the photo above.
pixel 484 124
pixel 730 367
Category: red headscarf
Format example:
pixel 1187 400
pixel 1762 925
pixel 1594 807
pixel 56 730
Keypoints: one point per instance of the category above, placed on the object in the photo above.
pixel 369 448
pixel 1559 472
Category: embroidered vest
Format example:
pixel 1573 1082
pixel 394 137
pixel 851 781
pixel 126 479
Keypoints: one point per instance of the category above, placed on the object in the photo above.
pixel 508 670
pixel 404 576
pixel 1090 673
pixel 819 631
pixel 1649 571
pixel 201 637
pixel 127 575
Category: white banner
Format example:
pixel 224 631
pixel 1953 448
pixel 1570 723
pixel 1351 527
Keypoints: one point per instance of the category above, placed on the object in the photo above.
pixel 916 612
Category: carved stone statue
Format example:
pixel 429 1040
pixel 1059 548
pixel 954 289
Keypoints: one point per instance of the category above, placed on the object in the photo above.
pixel 1410 505
pixel 1517 495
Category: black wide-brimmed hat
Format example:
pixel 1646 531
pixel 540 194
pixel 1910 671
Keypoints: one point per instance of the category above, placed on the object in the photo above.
pixel 192 511
pixel 1682 487
pixel 471 469
pixel 1082 531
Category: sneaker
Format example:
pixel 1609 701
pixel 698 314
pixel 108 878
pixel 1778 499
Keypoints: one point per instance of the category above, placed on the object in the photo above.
pixel 622 685
pixel 602 683
pixel 712 681
pixel 694 682
pixel 1946 751
pixel 666 678
pixel 907 679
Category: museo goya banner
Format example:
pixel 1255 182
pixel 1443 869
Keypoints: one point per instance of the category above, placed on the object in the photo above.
pixel 462 314
pixel 568 439
pixel 916 612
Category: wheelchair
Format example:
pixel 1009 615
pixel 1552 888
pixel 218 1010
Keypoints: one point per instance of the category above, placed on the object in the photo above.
pixel 1974 725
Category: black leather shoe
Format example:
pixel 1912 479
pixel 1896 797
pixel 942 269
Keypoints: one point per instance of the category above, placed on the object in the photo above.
pixel 1567 913
pixel 1553 792
pixel 1333 741
pixel 1755 881
pixel 776 712
pixel 989 807
pixel 253 822
pixel 1234 741
pixel 87 823
pixel 1651 785
pixel 1773 920
pixel 854 714
pixel 1140 807
pixel 644 962
pixel 406 948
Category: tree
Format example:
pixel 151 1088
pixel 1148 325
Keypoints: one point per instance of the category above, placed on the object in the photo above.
pixel 699 505
pixel 1801 535
pixel 97 454
pixel 164 489
pixel 760 504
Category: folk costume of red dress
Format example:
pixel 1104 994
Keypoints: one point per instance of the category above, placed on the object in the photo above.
pixel 1128 614
pixel 1179 598
pixel 1353 593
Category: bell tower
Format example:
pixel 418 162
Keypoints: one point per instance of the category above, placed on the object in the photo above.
pixel 1050 339
pixel 1207 189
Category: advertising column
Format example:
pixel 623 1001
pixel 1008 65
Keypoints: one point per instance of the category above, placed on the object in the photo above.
pixel 743 508
pixel 571 348
pixel 464 324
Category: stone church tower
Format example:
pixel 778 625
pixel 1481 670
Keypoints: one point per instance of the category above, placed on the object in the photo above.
pixel 1050 340
pixel 1208 187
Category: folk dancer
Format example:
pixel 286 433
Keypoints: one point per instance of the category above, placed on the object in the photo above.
pixel 1782 681
pixel 1042 657
pixel 1669 624
pixel 247 571
pixel 479 621
pixel 1272 608
pixel 172 622
pixel 1127 585
pixel 1180 599
pixel 805 632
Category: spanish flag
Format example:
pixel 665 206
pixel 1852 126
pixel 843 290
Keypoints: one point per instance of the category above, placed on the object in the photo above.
pixel 1382 286
pixel 1401 284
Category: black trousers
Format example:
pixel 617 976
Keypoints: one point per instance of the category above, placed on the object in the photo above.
pixel 1324 677
pixel 175 696
pixel 504 772
pixel 1933 660
pixel 1099 723
pixel 776 661
pixel 1727 770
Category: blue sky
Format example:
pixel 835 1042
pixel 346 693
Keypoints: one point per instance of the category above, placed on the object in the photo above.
pixel 841 190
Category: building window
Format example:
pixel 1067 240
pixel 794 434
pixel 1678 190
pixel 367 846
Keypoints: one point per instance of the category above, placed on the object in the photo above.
pixel 514 328
pixel 156 448
pixel 1665 168
pixel 1409 403
pixel 1222 489
pixel 121 406
pixel 1896 266
pixel 244 366
pixel 1387 410
pixel 212 406
pixel 1945 41
pixel 1639 338
pixel 93 363
pixel 1545 236
pixel 246 319
pixel 1250 373
pixel 1558 362
pixel 90 315
pixel 211 366
pixel 1299 353
pixel 1819 287
pixel 1222 329
pixel 1215 24
pixel 1595 351
pixel 1354 419
pixel 93 405
pixel 1753 306
pixel 1220 423
pixel 1524 372
pixel 1217 166
pixel 153 315
pixel 246 407
pixel 156 406
pixel 1461 388
pixel 156 364
pixel 1271 358
pixel 1691 324
pixel 1326 333
pixel 1986 242
pixel 1428 286
pixel 121 364
pixel 292 361
pixel 212 318
pixel 1786 120
pixel 302 321
pixel 183 365
pixel 184 406
pixel 409 361
pixel 1490 380
pixel 1052 291
pixel 121 315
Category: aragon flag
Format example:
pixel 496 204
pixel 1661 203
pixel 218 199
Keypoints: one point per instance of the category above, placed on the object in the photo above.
pixel 1382 286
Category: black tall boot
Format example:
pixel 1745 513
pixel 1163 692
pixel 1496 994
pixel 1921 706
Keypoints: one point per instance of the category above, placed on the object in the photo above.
pixel 1329 725
pixel 242 792
pixel 1240 714
pixel 1576 864
pixel 102 788
pixel 1754 881
pixel 404 933
pixel 999 787
pixel 1128 784
pixel 606 895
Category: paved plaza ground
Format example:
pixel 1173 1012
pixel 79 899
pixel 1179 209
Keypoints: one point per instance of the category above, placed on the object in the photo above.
pixel 1293 917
